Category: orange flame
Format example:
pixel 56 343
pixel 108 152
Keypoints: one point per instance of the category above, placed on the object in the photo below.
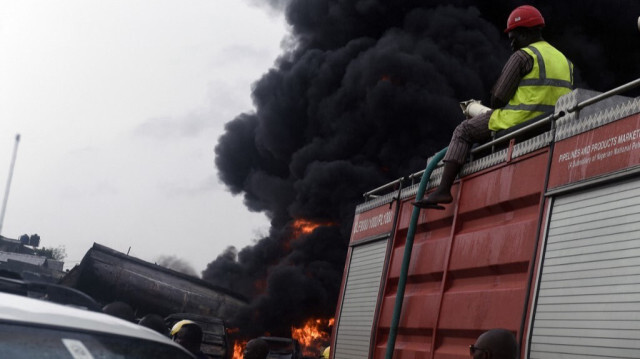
pixel 238 349
pixel 304 226
pixel 314 336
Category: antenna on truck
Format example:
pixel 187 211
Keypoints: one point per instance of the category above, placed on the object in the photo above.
pixel 6 193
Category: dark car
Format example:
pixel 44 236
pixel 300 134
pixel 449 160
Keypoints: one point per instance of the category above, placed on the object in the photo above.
pixel 283 348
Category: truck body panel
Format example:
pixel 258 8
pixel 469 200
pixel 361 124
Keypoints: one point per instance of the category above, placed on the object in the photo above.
pixel 525 219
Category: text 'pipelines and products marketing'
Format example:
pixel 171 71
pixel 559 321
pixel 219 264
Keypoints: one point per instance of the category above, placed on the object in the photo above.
pixel 601 150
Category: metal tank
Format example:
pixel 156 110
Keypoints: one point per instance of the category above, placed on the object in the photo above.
pixel 108 275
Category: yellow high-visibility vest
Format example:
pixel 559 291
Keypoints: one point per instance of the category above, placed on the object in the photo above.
pixel 539 90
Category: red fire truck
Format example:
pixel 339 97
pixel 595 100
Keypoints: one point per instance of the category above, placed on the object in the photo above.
pixel 542 239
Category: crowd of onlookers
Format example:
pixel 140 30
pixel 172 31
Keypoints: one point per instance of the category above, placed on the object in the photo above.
pixel 492 344
pixel 185 332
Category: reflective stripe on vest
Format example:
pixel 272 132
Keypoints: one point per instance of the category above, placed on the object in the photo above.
pixel 539 90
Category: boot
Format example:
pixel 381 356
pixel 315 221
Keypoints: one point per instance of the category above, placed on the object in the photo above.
pixel 442 194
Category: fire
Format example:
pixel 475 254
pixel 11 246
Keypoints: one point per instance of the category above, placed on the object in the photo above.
pixel 304 226
pixel 238 349
pixel 314 336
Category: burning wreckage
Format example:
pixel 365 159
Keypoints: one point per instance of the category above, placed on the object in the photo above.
pixel 108 275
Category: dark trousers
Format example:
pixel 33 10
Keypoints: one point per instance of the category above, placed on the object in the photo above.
pixel 468 132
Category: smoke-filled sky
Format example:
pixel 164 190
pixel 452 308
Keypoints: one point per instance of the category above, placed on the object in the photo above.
pixel 120 104
pixel 368 92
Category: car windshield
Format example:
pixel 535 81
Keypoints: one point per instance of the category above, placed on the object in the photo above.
pixel 23 341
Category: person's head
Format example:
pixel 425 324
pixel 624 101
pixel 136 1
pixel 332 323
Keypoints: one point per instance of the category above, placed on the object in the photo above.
pixel 155 322
pixel 188 334
pixel 524 26
pixel 121 310
pixel 495 344
pixel 256 349
pixel 326 353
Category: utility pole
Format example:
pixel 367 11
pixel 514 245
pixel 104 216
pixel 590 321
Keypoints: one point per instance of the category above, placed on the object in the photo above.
pixel 6 193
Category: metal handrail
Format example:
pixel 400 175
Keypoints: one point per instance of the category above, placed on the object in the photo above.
pixel 602 96
pixel 519 131
pixel 374 191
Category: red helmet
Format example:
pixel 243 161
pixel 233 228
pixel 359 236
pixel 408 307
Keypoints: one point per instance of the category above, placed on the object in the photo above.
pixel 524 16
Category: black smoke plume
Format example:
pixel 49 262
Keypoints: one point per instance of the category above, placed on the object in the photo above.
pixel 367 91
pixel 177 264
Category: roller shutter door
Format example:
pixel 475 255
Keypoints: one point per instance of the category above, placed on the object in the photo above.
pixel 353 336
pixel 589 292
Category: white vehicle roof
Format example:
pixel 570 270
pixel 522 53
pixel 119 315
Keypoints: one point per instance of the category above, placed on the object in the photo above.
pixel 31 311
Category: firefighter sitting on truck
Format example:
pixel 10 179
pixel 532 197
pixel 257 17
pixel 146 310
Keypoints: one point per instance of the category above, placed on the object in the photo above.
pixel 531 82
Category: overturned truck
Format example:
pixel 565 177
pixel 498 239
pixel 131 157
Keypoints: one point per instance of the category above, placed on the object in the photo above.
pixel 542 238
pixel 108 275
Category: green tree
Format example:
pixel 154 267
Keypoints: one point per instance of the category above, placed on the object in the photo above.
pixel 59 253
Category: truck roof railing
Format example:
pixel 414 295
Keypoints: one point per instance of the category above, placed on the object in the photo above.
pixel 543 121
pixel 373 193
